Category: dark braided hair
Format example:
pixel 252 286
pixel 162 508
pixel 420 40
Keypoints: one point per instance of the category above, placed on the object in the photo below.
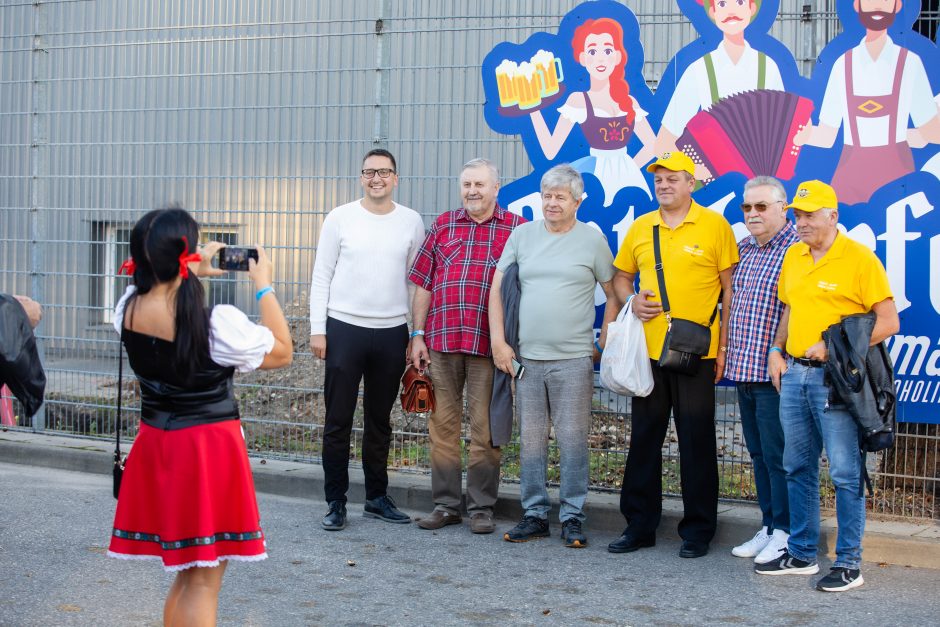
pixel 157 241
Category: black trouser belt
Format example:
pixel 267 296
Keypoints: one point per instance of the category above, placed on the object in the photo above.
pixel 810 363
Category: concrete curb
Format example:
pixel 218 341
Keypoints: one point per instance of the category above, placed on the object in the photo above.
pixel 890 542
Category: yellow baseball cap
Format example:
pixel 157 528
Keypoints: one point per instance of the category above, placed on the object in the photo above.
pixel 812 196
pixel 676 161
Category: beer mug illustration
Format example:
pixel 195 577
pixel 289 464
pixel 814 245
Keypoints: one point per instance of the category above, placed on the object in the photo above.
pixel 528 86
pixel 550 72
pixel 505 72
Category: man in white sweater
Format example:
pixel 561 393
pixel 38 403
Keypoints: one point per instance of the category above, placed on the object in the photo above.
pixel 358 307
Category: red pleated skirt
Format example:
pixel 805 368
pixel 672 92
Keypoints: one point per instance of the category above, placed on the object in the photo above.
pixel 188 498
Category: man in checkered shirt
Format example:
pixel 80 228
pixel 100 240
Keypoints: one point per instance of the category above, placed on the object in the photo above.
pixel 755 312
pixel 453 272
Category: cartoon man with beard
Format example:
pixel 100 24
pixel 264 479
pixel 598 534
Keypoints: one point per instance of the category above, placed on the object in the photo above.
pixel 873 90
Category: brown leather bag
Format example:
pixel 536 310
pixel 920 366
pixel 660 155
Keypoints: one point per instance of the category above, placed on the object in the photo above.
pixel 417 391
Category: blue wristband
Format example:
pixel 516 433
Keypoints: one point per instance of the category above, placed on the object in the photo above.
pixel 417 332
pixel 264 290
pixel 775 349
pixel 598 347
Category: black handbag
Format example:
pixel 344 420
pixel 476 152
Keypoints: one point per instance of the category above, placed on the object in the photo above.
pixel 117 470
pixel 686 341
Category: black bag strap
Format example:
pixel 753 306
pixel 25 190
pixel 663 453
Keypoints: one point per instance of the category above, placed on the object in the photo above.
pixel 661 278
pixel 120 388
pixel 657 255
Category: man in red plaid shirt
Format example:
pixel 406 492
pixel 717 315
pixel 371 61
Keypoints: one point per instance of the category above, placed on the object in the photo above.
pixel 453 272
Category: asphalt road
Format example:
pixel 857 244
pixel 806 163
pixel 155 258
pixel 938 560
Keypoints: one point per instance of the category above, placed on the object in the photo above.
pixel 54 528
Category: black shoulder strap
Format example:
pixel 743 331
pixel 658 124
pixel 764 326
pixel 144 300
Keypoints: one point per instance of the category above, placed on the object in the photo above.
pixel 664 298
pixel 657 255
pixel 118 422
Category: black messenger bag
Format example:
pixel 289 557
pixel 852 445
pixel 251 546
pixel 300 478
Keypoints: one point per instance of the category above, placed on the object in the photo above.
pixel 686 341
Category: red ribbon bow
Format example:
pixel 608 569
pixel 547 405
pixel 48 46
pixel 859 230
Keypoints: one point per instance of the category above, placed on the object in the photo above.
pixel 186 258
pixel 128 267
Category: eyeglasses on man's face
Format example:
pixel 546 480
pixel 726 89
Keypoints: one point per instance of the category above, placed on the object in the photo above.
pixel 759 207
pixel 384 173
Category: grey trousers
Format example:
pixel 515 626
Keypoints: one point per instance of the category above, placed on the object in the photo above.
pixel 557 392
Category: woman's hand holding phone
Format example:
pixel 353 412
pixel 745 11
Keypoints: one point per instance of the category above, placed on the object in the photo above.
pixel 203 268
pixel 261 271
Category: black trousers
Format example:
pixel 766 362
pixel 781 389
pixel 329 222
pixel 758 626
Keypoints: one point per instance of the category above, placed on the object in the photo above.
pixel 377 358
pixel 691 400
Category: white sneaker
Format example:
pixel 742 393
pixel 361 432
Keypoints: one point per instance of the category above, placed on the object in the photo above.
pixel 753 546
pixel 774 549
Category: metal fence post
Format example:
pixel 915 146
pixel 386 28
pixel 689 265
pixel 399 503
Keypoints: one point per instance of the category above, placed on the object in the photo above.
pixel 380 129
pixel 808 55
pixel 37 184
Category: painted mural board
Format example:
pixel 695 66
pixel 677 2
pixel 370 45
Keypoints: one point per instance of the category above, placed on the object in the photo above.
pixel 866 121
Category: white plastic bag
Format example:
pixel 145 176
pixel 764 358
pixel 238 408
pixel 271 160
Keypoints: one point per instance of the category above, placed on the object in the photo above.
pixel 625 363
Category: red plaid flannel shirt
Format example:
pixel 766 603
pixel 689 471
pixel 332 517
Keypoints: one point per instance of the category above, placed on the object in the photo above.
pixel 456 264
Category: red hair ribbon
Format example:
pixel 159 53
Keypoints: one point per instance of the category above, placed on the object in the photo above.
pixel 128 267
pixel 186 258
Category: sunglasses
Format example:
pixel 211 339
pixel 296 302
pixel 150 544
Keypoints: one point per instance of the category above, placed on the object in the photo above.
pixel 382 172
pixel 759 207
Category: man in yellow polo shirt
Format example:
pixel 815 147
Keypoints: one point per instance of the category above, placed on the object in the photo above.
pixel 698 252
pixel 825 277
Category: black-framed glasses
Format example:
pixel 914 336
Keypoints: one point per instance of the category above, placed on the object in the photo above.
pixel 759 207
pixel 383 173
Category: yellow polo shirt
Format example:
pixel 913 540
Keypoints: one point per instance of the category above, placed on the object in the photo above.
pixel 693 254
pixel 849 279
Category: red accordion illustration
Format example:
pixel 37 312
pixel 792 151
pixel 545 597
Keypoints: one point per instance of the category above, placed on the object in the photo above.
pixel 750 132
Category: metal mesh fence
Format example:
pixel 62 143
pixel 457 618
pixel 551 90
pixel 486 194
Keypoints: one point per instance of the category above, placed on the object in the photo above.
pixel 254 117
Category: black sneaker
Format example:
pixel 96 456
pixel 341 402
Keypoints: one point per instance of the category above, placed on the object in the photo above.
pixel 383 508
pixel 335 519
pixel 572 535
pixel 786 564
pixel 529 528
pixel 840 579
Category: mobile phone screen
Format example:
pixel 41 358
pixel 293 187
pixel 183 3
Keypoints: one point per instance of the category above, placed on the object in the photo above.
pixel 235 258
pixel 517 369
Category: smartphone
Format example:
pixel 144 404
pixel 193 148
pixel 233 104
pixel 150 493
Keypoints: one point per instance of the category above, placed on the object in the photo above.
pixel 517 369
pixel 235 258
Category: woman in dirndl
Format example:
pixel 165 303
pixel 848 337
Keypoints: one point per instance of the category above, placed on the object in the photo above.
pixel 608 115
pixel 187 496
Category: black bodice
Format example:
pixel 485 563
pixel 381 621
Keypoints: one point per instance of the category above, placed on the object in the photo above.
pixel 168 399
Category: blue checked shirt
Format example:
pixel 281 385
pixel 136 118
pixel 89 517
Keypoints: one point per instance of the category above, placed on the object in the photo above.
pixel 755 308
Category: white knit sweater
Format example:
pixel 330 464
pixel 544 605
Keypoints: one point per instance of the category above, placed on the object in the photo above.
pixel 360 275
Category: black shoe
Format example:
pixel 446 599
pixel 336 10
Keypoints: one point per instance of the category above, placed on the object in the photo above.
pixel 383 508
pixel 786 564
pixel 628 542
pixel 691 548
pixel 572 535
pixel 335 519
pixel 529 528
pixel 840 579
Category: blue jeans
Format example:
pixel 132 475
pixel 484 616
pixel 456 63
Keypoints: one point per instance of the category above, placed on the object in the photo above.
pixel 809 422
pixel 559 390
pixel 759 403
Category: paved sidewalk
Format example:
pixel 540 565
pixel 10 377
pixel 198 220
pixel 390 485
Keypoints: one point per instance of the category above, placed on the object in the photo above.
pixel 886 542
pixel 56 526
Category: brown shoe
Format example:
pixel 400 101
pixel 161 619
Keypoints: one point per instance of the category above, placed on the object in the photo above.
pixel 482 522
pixel 437 519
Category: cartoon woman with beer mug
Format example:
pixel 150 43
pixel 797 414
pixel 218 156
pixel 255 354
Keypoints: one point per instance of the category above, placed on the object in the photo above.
pixel 607 113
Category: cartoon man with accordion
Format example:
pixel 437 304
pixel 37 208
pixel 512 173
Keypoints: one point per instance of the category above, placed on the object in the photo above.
pixel 872 91
pixel 715 105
